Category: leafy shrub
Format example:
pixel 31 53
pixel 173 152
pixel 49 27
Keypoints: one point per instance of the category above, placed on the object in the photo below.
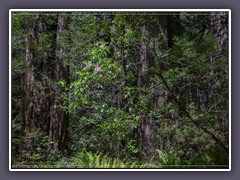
pixel 34 145
pixel 16 138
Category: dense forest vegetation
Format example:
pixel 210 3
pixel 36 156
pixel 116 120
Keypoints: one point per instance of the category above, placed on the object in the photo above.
pixel 119 90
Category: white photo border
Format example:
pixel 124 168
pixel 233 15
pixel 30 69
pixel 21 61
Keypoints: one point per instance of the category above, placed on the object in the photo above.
pixel 118 10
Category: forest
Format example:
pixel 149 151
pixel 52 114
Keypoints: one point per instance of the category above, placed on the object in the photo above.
pixel 119 89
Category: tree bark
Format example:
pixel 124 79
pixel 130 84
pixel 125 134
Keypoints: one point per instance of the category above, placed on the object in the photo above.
pixel 168 26
pixel 34 100
pixel 145 125
pixel 59 118
pixel 38 110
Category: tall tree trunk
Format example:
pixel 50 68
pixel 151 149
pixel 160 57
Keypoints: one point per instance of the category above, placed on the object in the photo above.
pixel 145 130
pixel 219 29
pixel 27 107
pixel 38 110
pixel 168 26
pixel 34 100
pixel 59 118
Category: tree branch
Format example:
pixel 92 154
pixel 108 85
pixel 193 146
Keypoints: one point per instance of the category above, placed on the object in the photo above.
pixel 197 124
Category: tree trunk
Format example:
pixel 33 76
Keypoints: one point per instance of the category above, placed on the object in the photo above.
pixel 219 30
pixel 168 26
pixel 59 118
pixel 38 110
pixel 35 103
pixel 28 116
pixel 145 130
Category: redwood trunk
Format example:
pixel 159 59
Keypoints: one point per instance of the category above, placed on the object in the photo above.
pixel 59 118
